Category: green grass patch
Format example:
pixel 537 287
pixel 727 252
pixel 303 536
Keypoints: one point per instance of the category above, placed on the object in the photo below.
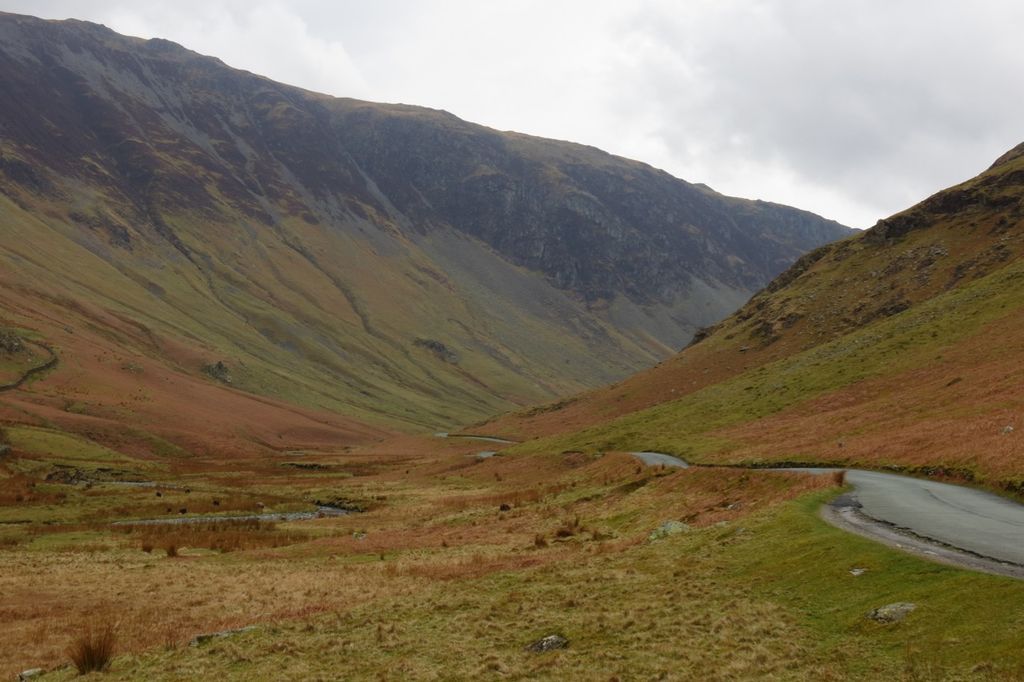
pixel 63 448
pixel 796 559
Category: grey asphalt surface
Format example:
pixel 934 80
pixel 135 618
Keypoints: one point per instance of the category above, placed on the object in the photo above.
pixel 488 439
pixel 660 459
pixel 882 506
pixel 969 519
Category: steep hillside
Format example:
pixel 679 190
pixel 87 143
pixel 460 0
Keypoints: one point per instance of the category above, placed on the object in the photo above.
pixel 395 264
pixel 899 347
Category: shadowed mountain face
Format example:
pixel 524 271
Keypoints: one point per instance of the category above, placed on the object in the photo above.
pixel 389 262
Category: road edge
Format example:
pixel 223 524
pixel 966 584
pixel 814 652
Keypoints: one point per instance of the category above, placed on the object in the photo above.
pixel 844 513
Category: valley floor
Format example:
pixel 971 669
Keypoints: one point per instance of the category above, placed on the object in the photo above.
pixel 456 564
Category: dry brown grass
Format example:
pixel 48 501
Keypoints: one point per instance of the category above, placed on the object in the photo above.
pixel 148 504
pixel 20 489
pixel 951 412
pixel 221 536
pixel 426 530
pixel 513 498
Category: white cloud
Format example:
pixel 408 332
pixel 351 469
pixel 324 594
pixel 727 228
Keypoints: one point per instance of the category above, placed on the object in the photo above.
pixel 853 110
pixel 268 38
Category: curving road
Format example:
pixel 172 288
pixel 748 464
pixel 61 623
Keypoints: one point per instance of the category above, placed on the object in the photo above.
pixel 944 522
pixel 489 439
pixel 660 459
pixel 953 517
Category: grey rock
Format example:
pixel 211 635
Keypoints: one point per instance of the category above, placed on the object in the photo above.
pixel 199 640
pixel 668 528
pixel 29 674
pixel 892 613
pixel 1007 429
pixel 858 571
pixel 549 643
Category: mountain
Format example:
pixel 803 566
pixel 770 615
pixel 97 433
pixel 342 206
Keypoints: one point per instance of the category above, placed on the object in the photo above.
pixel 901 347
pixel 203 237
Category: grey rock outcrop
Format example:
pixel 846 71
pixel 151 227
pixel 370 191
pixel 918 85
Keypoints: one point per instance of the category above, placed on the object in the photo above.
pixel 199 640
pixel 668 528
pixel 548 643
pixel 892 613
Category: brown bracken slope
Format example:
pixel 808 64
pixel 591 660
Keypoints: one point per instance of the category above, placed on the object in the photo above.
pixel 902 346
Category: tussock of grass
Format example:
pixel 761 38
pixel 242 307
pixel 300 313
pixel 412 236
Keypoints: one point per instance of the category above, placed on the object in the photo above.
pixel 93 649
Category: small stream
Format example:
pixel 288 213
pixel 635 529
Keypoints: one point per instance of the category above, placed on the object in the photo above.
pixel 320 513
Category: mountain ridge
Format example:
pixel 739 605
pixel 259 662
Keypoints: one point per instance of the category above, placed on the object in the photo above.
pixel 324 249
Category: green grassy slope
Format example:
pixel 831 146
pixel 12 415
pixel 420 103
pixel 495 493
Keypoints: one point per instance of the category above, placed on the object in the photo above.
pixel 900 347
pixel 288 328
pixel 391 263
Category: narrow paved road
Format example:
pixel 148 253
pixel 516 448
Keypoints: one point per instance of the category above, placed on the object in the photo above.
pixel 949 523
pixel 489 439
pixel 965 518
pixel 660 459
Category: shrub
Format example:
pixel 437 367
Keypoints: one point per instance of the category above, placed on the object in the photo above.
pixel 93 650
pixel 569 528
pixel 839 478
pixel 171 549
pixel 10 342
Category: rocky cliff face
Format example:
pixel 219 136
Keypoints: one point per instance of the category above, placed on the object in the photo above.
pixel 595 224
pixel 311 241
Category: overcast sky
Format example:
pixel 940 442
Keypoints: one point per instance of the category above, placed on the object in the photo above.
pixel 854 110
